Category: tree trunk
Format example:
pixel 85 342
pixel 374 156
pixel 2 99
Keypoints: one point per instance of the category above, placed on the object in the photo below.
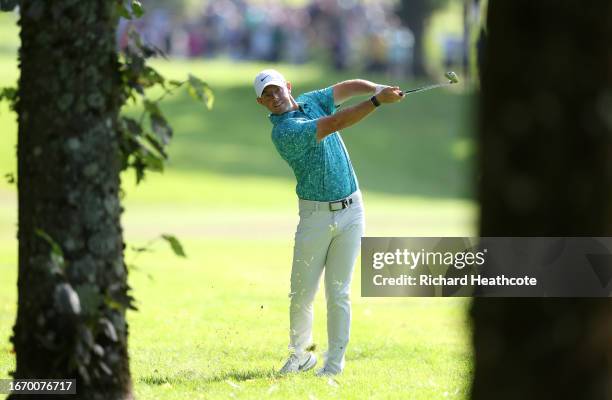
pixel 545 157
pixel 414 13
pixel 71 308
pixel 468 21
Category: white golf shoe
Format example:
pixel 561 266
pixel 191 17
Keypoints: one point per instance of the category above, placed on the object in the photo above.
pixel 297 363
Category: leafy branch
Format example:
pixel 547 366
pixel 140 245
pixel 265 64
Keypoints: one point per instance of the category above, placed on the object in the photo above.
pixel 174 243
pixel 143 147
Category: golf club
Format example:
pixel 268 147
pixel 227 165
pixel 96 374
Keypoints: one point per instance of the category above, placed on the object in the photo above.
pixel 452 79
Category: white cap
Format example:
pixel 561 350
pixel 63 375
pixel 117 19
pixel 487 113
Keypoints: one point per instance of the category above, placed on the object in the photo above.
pixel 268 77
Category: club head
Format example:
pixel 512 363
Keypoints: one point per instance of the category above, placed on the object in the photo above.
pixel 452 77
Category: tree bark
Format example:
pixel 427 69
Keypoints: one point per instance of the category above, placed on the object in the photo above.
pixel 546 163
pixel 71 308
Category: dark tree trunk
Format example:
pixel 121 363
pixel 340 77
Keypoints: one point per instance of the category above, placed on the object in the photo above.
pixel 414 13
pixel 71 312
pixel 546 162
pixel 467 37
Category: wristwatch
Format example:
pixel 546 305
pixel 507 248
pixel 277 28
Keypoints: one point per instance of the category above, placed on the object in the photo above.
pixel 375 101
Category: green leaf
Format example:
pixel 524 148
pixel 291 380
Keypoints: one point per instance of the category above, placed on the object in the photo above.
pixel 128 146
pixel 143 159
pixel 120 301
pixel 152 107
pixel 200 90
pixel 137 47
pixel 150 77
pixel 130 130
pixel 155 143
pixel 149 50
pixel 123 11
pixel 10 178
pixel 113 304
pixel 140 249
pixel 57 255
pixel 132 69
pixel 9 94
pixel 176 83
pixel 55 248
pixel 139 166
pixel 137 8
pixel 131 302
pixel 132 126
pixel 131 267
pixel 160 127
pixel 134 54
pixel 175 244
pixel 153 162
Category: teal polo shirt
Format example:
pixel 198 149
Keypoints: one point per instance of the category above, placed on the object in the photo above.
pixel 323 170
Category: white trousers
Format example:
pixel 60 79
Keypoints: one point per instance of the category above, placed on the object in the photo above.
pixel 325 241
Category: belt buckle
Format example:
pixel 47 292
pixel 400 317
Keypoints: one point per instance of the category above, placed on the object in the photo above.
pixel 344 203
pixel 333 205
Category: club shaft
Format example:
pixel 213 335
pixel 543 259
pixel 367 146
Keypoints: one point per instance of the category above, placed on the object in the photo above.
pixel 424 88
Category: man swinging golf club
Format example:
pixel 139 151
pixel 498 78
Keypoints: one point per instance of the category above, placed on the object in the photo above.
pixel 328 236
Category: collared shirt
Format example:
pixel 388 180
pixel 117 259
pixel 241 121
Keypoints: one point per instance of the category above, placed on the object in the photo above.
pixel 323 170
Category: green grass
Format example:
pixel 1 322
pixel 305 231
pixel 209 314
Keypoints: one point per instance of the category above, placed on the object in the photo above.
pixel 215 325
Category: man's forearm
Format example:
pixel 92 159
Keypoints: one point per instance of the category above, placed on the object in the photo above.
pixel 351 115
pixel 354 87
pixel 344 118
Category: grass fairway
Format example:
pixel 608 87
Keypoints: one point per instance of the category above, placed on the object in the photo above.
pixel 216 324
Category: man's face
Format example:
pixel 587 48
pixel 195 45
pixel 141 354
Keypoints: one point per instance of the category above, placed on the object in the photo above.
pixel 277 99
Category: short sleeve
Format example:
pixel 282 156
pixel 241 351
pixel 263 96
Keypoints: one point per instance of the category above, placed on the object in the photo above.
pixel 294 136
pixel 324 97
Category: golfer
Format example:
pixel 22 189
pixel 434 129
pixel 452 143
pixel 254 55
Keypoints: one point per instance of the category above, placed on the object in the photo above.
pixel 328 236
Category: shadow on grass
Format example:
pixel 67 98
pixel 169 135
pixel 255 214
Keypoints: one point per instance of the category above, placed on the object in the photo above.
pixel 246 375
pixel 191 375
pixel 422 146
pixel 361 353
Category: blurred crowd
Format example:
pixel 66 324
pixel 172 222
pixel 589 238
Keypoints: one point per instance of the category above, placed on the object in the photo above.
pixel 344 33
